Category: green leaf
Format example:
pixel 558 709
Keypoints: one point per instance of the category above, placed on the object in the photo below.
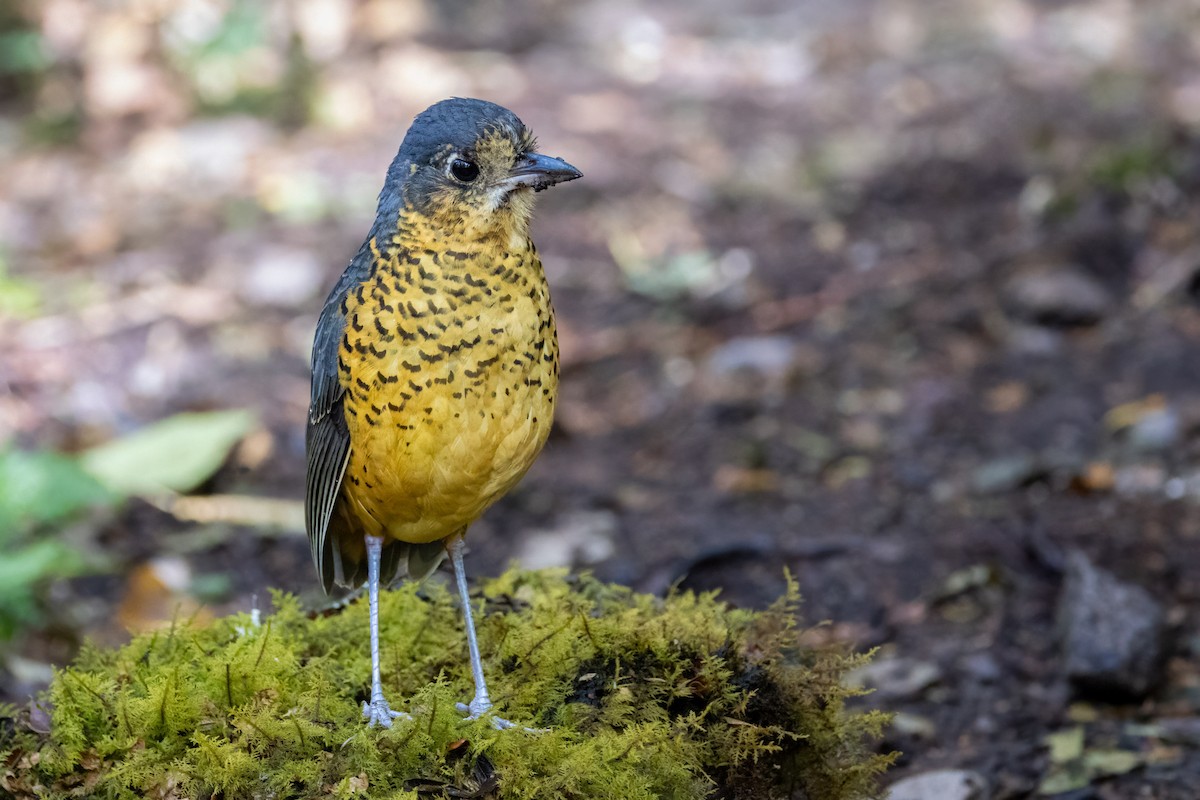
pixel 1112 762
pixel 1065 745
pixel 42 559
pixel 43 487
pixel 21 51
pixel 1073 766
pixel 21 570
pixel 177 454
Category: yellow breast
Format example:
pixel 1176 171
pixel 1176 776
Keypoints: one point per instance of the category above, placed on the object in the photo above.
pixel 450 363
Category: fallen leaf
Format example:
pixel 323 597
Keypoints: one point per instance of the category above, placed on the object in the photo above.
pixel 1097 476
pixel 739 480
pixel 1006 398
pixel 1065 745
pixel 1127 414
pixel 174 455
pixel 43 487
pixel 1111 762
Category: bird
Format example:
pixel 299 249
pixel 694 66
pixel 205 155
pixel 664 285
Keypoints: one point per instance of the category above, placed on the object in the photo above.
pixel 434 365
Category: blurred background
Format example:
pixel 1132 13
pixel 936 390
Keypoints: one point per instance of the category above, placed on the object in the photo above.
pixel 903 295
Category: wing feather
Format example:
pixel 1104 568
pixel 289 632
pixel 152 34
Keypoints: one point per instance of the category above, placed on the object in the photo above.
pixel 327 439
pixel 327 442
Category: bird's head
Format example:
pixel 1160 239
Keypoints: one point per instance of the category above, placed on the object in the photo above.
pixel 469 165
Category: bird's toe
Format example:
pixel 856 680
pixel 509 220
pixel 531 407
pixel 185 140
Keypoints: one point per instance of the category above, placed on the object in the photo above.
pixel 474 711
pixel 378 712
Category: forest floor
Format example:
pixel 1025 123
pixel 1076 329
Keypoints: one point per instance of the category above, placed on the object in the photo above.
pixel 901 296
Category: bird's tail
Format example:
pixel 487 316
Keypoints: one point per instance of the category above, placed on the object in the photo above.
pixel 400 560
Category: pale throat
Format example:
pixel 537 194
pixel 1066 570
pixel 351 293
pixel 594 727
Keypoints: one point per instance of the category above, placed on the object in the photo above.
pixel 506 224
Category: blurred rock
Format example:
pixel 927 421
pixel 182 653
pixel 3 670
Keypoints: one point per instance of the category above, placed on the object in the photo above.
pixel 1180 730
pixel 896 678
pixel 1057 296
pixel 1030 339
pixel 983 667
pixel 1147 425
pixel 1113 633
pixel 749 368
pixel 1141 479
pixel 25 676
pixel 580 537
pixel 282 276
pixel 912 725
pixel 210 156
pixel 1155 431
pixel 1006 473
pixel 769 357
pixel 942 784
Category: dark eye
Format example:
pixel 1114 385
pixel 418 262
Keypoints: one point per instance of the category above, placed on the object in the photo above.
pixel 463 170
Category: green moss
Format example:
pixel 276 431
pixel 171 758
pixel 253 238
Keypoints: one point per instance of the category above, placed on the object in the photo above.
pixel 639 698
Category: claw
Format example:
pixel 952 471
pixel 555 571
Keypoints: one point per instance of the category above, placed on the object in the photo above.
pixel 474 713
pixel 379 712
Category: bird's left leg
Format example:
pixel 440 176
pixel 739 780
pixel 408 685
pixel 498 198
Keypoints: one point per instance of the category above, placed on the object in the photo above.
pixel 481 703
pixel 377 711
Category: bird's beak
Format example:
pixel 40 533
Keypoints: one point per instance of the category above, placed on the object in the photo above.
pixel 540 172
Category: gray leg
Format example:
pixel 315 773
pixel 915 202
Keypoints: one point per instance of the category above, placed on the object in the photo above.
pixel 378 710
pixel 481 703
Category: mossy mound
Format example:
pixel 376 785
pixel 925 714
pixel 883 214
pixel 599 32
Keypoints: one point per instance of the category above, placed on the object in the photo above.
pixel 639 697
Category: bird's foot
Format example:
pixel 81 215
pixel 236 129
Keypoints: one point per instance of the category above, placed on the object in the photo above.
pixel 379 712
pixel 478 708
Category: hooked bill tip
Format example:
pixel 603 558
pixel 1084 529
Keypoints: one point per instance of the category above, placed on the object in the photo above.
pixel 540 172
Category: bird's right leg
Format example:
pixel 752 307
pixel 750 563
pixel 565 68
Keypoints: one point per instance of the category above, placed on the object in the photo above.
pixel 481 703
pixel 378 710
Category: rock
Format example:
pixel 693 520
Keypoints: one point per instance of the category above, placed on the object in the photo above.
pixel 941 784
pixel 1006 474
pixel 1155 431
pixel 1114 634
pixel 912 725
pixel 580 537
pixel 1143 479
pixel 282 276
pixel 1057 296
pixel 983 667
pixel 1180 730
pixel 767 357
pixel 210 156
pixel 1150 424
pixel 750 368
pixel 1028 339
pixel 895 678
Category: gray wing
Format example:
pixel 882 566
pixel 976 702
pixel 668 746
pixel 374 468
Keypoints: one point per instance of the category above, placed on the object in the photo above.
pixel 327 440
